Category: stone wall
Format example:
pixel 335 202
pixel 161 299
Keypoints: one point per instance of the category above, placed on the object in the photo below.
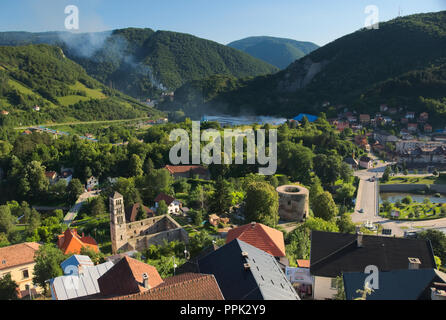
pixel 408 188
pixel 293 203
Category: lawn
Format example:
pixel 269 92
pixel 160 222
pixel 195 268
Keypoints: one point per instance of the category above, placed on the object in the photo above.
pixel 415 180
pixel 90 94
pixel 414 210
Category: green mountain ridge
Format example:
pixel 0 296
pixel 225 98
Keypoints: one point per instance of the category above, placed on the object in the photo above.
pixel 280 52
pixel 144 62
pixel 401 64
pixel 41 75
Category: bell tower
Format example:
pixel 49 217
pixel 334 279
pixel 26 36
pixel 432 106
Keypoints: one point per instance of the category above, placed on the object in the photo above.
pixel 118 228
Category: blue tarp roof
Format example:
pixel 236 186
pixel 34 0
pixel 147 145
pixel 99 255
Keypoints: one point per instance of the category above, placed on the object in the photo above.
pixel 310 117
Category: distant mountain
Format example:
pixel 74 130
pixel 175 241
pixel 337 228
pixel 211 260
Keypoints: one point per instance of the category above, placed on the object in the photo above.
pixel 402 64
pixel 279 52
pixel 142 62
pixel 41 75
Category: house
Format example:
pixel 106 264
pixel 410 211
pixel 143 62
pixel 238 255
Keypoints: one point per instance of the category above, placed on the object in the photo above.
pixel 361 141
pixel 245 272
pixel 189 286
pixel 412 127
pixel 301 278
pixel 51 176
pixel 333 254
pixel 342 125
pixel 80 278
pixel 128 276
pixel 71 243
pixel 427 128
pixel 415 284
pixel 18 261
pixel 132 213
pixel 393 110
pixel 66 176
pixel 188 172
pixel 404 121
pixel 36 108
pixel 364 118
pixel 173 205
pixel 410 115
pixel 139 235
pixel 352 118
pixel 260 236
pixel 352 162
pixel 4 113
pixel 92 183
pixel 214 220
pixel 424 116
pixel 383 108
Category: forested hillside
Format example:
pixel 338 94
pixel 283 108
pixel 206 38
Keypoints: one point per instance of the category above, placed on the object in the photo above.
pixel 142 62
pixel 41 75
pixel 279 52
pixel 401 63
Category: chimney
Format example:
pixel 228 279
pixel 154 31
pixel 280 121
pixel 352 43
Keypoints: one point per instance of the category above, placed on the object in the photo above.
pixel 246 266
pixel 359 239
pixel 245 254
pixel 414 263
pixel 145 281
pixel 253 224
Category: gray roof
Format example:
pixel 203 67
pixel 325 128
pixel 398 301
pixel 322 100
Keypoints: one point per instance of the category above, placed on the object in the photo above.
pixel 395 285
pixel 263 280
pixel 75 286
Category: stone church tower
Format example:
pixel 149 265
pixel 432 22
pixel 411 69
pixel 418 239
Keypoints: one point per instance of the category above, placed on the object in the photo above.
pixel 117 222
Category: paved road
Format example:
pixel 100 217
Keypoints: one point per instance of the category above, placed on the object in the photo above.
pixel 71 215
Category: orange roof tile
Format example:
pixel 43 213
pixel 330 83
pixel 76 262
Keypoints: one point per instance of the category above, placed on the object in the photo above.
pixel 303 263
pixel 125 278
pixel 185 169
pixel 182 287
pixel 18 254
pixel 260 236
pixel 71 242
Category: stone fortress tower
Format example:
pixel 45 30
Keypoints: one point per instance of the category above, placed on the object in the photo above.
pixel 293 202
pixel 117 222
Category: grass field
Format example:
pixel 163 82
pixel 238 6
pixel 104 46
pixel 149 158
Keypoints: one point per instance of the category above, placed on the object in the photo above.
pixel 415 210
pixel 415 180
pixel 90 94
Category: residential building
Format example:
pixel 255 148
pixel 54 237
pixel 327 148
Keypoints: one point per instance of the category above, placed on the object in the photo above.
pixel 365 162
pixel 410 115
pixel 364 118
pixel 66 176
pixel 407 284
pixel 342 125
pixel 71 243
pixel 132 213
pixel 393 110
pixel 4 113
pixel 333 254
pixel 352 162
pixel 188 286
pixel 427 128
pixel 36 108
pixel 18 261
pixel 51 176
pixel 188 172
pixel 127 235
pixel 80 279
pixel 383 108
pixel 92 183
pixel 214 220
pixel 404 121
pixel 424 116
pixel 412 127
pixel 173 205
pixel 262 237
pixel 244 272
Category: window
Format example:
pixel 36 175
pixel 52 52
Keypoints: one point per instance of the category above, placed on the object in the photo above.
pixel 334 283
pixel 25 274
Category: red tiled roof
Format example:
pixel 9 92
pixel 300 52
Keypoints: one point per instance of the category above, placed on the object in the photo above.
pixel 71 242
pixel 125 278
pixel 260 236
pixel 185 169
pixel 133 213
pixel 183 287
pixel 165 197
pixel 50 174
pixel 303 263
pixel 18 254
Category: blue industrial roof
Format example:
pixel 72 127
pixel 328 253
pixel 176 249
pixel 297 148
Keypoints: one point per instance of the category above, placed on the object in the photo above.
pixel 310 117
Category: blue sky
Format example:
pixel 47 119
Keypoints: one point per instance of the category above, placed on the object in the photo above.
pixel 319 21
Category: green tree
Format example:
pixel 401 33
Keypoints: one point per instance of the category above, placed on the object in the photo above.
pixel 135 166
pixel 438 241
pixel 262 203
pixel 325 207
pixel 345 224
pixel 162 208
pixel 74 189
pixel 6 220
pixel 96 257
pixel 8 288
pixel 48 259
pixel 386 174
pixel 97 206
pixel 142 214
pixel 221 199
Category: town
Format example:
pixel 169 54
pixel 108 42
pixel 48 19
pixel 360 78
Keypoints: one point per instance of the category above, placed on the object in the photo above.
pixel 142 165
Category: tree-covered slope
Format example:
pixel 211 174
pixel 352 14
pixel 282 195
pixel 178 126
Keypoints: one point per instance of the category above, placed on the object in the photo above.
pixel 399 64
pixel 280 52
pixel 41 75
pixel 142 62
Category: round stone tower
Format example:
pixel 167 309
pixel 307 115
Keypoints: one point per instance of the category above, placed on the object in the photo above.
pixel 293 202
